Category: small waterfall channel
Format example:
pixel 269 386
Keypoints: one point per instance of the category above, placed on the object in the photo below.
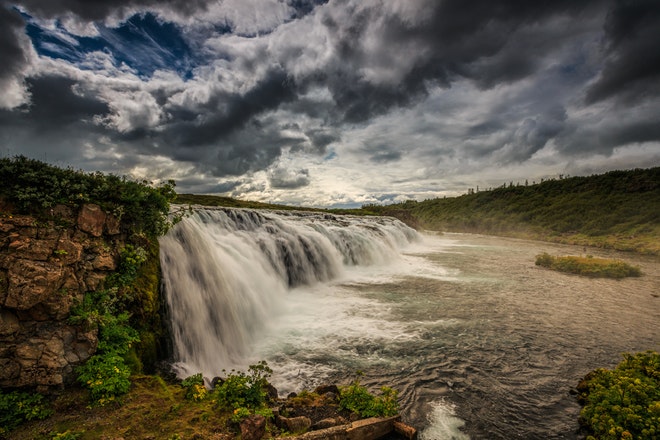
pixel 226 272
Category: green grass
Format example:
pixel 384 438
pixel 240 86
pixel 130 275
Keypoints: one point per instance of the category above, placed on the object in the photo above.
pixel 588 266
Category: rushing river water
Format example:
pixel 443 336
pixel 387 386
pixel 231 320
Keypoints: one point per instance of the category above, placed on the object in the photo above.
pixel 479 341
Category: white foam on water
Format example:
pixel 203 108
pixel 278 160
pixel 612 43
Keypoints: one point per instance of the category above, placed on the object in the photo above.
pixel 443 423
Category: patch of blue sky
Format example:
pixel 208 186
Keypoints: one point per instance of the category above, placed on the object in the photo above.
pixel 330 156
pixel 142 42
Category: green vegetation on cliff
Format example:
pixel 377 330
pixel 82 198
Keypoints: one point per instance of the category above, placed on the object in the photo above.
pixel 34 187
pixel 618 209
pixel 125 308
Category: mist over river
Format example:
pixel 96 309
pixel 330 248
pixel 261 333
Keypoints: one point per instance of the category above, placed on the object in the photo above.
pixel 479 342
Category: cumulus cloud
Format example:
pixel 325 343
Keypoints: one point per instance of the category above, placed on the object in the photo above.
pixel 329 102
pixel 16 52
pixel 286 178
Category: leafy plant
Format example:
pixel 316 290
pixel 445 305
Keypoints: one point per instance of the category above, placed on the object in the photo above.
pixel 106 376
pixel 195 389
pixel 356 398
pixel 623 403
pixel 17 407
pixel 245 393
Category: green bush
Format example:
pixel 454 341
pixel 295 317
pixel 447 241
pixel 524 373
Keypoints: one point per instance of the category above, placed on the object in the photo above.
pixel 34 187
pixel 245 393
pixel 106 376
pixel 195 389
pixel 356 398
pixel 17 407
pixel 107 373
pixel 623 403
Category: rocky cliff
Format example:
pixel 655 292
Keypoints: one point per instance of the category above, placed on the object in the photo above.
pixel 46 266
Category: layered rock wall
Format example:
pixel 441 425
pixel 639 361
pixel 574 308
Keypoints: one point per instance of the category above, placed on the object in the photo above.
pixel 46 266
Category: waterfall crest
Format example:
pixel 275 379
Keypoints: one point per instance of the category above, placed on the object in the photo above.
pixel 226 270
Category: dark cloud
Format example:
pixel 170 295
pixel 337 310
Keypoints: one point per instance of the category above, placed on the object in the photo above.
pixel 419 88
pixel 632 69
pixel 54 108
pixel 488 42
pixel 304 7
pixel 56 125
pixel 13 56
pixel 605 137
pixel 237 109
pixel 202 185
pixel 383 154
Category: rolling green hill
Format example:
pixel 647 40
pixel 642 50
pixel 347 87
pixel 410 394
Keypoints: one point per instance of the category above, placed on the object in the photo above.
pixel 618 209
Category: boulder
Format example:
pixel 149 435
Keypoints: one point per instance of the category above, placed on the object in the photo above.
pixel 295 425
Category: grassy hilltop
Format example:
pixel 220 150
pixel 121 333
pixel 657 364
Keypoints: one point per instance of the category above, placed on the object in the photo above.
pixel 618 209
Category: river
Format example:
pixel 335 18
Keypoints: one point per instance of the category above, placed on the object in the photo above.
pixel 479 342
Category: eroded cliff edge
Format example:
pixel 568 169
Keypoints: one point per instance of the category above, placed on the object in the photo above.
pixel 47 266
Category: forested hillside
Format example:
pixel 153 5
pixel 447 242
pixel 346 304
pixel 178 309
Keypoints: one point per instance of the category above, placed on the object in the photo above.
pixel 618 209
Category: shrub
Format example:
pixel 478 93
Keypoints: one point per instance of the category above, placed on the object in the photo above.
pixel 245 393
pixel 35 187
pixel 17 407
pixel 106 376
pixel 623 403
pixel 356 398
pixel 195 389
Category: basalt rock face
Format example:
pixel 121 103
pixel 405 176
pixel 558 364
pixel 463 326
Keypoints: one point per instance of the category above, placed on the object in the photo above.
pixel 45 267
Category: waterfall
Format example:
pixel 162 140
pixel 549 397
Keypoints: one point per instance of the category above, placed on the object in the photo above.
pixel 226 271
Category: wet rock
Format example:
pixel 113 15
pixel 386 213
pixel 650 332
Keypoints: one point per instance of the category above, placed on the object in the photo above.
pixel 324 389
pixel 8 323
pixel 271 391
pixel 112 225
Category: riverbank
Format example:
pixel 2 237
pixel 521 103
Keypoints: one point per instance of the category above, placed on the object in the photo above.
pixel 158 409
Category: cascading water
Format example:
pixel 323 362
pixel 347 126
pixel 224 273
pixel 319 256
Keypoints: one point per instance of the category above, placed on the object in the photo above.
pixel 225 272
pixel 479 342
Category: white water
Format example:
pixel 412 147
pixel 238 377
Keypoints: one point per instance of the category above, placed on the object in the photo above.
pixel 479 341
pixel 231 274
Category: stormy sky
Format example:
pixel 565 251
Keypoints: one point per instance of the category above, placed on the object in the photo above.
pixel 332 103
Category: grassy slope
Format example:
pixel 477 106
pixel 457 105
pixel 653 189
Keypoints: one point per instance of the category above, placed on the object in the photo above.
pixel 619 209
